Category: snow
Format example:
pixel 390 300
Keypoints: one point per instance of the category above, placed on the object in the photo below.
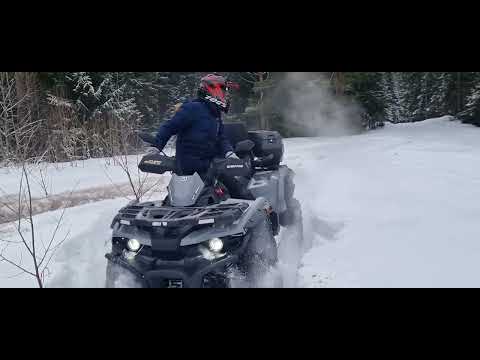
pixel 79 262
pixel 68 176
pixel 394 207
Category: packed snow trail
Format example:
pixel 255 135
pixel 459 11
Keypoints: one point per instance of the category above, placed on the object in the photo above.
pixel 395 207
pixel 9 203
pixel 59 178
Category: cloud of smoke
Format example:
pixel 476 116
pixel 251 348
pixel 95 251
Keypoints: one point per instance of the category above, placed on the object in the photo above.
pixel 310 108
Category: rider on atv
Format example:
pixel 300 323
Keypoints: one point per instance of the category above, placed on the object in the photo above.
pixel 199 128
pixel 200 235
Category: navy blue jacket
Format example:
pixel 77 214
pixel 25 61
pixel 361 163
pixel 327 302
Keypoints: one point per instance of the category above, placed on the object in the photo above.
pixel 200 136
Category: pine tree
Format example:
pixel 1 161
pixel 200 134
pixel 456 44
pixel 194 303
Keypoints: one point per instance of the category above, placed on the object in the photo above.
pixel 439 94
pixel 365 88
pixel 395 96
pixel 471 113
pixel 412 87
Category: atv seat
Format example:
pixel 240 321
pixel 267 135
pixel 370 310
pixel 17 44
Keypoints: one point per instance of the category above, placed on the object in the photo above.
pixel 237 186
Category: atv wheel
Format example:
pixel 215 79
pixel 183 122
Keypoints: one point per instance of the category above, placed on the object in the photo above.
pixel 112 275
pixel 262 254
pixel 293 219
pixel 294 211
pixel 293 214
pixel 117 277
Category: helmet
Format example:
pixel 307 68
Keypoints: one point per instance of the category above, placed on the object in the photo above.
pixel 214 88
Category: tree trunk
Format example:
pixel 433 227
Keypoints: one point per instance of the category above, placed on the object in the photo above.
pixel 340 83
pixel 27 88
pixel 260 105
pixel 6 114
pixel 459 92
pixel 27 96
pixel 263 119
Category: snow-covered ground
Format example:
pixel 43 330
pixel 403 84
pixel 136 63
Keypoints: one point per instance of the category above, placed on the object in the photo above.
pixel 80 261
pixel 75 183
pixel 398 207
pixel 395 207
pixel 68 176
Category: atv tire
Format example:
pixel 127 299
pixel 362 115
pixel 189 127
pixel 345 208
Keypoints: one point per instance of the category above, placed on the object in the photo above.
pixel 294 211
pixel 112 275
pixel 293 214
pixel 116 277
pixel 262 254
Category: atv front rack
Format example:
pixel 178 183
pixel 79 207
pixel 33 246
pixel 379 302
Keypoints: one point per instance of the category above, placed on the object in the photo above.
pixel 151 215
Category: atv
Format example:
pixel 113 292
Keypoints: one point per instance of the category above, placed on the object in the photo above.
pixel 211 231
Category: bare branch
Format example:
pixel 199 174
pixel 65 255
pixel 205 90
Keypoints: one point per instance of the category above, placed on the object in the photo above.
pixel 9 207
pixel 116 186
pixel 252 81
pixel 13 276
pixel 54 234
pixel 20 215
pixel 15 104
pixel 3 258
pixel 55 248
pixel 32 229
pixel 24 241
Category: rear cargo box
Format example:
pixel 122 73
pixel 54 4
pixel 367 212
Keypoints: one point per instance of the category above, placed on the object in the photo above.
pixel 266 143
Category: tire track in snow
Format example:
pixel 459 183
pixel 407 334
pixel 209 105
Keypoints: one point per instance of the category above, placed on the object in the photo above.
pixel 72 199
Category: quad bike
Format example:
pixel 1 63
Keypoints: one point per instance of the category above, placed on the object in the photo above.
pixel 211 229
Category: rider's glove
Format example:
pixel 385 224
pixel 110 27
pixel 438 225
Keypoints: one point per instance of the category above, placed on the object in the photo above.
pixel 231 155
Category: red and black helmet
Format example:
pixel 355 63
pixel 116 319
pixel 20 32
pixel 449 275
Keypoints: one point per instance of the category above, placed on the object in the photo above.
pixel 215 88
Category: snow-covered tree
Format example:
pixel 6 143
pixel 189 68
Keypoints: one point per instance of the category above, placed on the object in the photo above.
pixel 439 92
pixel 472 107
pixel 395 96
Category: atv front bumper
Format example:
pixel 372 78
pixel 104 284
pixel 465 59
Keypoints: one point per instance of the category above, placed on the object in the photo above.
pixel 187 273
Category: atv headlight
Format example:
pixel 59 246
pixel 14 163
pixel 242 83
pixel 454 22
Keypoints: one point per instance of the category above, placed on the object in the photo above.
pixel 133 245
pixel 215 245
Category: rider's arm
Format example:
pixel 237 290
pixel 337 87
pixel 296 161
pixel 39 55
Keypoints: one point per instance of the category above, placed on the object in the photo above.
pixel 180 121
pixel 223 143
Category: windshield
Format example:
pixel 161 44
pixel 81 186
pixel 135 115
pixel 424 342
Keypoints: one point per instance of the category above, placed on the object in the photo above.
pixel 185 190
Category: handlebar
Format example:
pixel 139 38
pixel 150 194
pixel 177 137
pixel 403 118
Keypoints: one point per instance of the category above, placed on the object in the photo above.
pixel 169 162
